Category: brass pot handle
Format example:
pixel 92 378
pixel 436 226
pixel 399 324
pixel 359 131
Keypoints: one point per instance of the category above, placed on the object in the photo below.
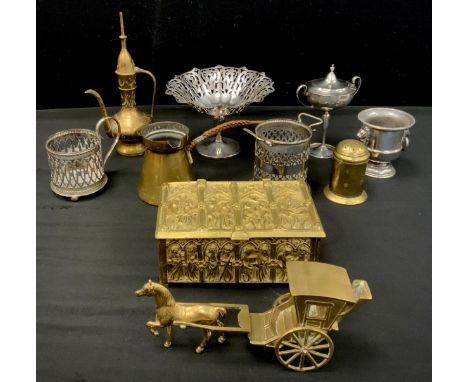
pixel 358 86
pixel 298 96
pixel 217 129
pixel 112 133
pixel 139 70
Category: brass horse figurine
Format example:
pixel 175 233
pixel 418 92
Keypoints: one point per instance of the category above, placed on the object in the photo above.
pixel 168 311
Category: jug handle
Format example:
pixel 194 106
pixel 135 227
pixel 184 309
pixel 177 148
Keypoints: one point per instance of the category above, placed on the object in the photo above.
pixel 139 70
pixel 111 133
pixel 358 86
pixel 320 120
pixel 217 129
pixel 303 86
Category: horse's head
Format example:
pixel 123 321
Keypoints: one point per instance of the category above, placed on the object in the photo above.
pixel 148 289
pixel 161 294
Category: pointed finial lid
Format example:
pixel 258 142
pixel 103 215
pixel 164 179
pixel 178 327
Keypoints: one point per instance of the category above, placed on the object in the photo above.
pixel 125 63
pixel 331 77
pixel 330 84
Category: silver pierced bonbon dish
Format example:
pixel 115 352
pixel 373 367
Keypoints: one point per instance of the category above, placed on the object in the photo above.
pixel 220 91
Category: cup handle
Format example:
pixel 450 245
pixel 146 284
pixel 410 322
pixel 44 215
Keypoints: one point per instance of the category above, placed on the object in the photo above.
pixel 112 133
pixel 303 86
pixel 320 120
pixel 406 141
pixel 358 86
pixel 363 134
pixel 139 70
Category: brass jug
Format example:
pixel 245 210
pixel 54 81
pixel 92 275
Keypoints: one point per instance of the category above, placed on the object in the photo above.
pixel 130 118
pixel 167 159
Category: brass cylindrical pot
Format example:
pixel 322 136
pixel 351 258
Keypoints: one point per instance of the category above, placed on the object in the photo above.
pixel 166 159
pixel 349 168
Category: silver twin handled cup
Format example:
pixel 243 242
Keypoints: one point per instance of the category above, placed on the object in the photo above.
pixel 282 148
pixel 385 132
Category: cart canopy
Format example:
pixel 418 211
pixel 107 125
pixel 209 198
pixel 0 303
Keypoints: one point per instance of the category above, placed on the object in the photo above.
pixel 310 278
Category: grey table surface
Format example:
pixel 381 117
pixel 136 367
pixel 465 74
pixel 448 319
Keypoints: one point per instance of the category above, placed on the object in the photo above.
pixel 92 255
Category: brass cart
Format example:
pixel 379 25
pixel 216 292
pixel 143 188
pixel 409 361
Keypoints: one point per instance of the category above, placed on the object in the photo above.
pixel 297 325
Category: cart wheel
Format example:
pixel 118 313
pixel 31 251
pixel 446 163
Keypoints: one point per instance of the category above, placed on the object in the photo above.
pixel 304 349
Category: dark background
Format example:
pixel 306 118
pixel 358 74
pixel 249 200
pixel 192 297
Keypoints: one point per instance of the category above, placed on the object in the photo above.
pixel 386 42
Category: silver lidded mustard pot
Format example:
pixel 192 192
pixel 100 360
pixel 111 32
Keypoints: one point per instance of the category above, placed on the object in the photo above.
pixel 347 178
pixel 130 118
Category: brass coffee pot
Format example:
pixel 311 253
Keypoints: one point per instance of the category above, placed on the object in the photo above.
pixel 130 118
pixel 167 159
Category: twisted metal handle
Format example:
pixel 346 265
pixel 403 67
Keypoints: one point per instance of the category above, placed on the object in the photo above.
pixel 139 70
pixel 358 86
pixel 297 94
pixel 217 129
pixel 112 133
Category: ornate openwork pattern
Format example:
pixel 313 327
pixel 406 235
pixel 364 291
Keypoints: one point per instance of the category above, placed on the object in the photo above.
pixel 75 159
pixel 219 91
pixel 260 174
pixel 287 157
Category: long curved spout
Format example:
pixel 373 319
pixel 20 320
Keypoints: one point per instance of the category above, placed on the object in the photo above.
pixel 102 107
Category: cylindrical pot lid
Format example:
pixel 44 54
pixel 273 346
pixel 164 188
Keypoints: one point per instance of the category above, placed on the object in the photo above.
pixel 351 151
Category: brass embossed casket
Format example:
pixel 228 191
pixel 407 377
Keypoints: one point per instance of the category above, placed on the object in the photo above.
pixel 235 232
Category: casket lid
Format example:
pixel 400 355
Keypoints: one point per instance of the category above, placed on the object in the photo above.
pixel 237 210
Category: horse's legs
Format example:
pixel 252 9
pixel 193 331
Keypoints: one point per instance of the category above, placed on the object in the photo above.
pixel 168 342
pixel 206 337
pixel 151 325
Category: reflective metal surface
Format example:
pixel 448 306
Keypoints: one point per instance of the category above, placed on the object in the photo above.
pixel 235 231
pixel 166 159
pixel 131 119
pixel 282 148
pixel 327 94
pixel 219 91
pixel 296 326
pixel 75 160
pixel 347 178
pixel 385 132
